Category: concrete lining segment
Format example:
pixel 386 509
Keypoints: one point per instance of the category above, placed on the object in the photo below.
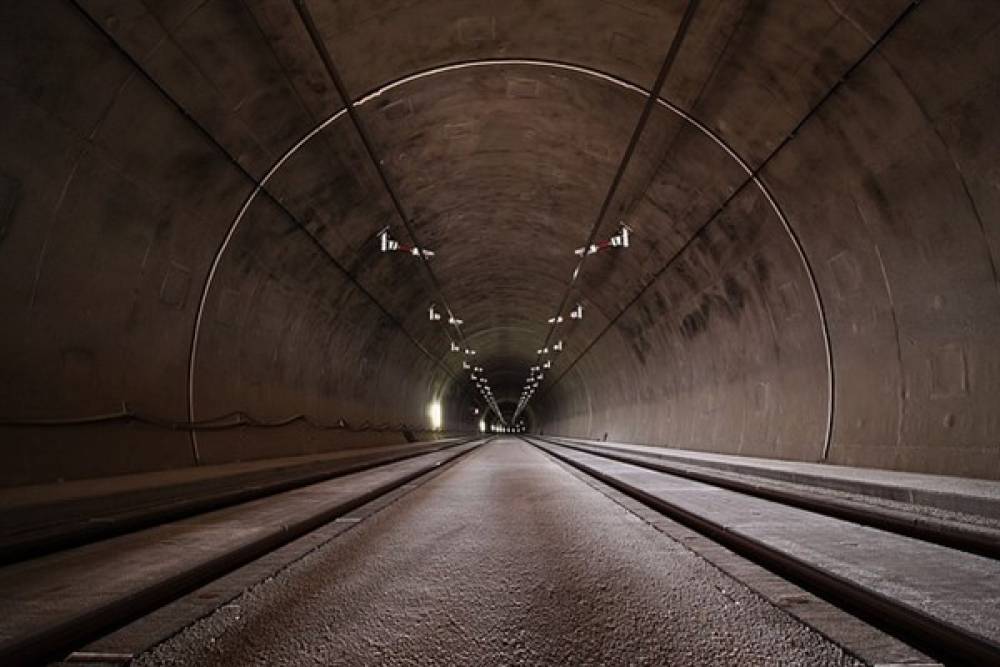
pixel 217 259
pixel 620 83
pixel 652 98
pixel 376 160
pixel 106 30
pixel 113 206
pixel 53 603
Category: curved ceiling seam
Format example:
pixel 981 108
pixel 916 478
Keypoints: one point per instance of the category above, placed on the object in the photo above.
pixel 217 260
pixel 755 177
pixel 259 188
pixel 704 129
pixel 443 69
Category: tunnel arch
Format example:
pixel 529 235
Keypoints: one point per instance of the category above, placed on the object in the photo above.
pixel 532 63
pixel 864 248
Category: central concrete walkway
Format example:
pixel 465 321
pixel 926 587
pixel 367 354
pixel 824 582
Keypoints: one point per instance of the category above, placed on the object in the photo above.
pixel 506 558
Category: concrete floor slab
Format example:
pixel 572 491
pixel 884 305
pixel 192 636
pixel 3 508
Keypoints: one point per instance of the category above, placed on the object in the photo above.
pixel 45 592
pixel 503 559
pixel 952 586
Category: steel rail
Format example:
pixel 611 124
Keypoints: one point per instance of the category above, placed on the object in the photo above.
pixel 186 503
pixel 940 639
pixel 54 642
pixel 947 534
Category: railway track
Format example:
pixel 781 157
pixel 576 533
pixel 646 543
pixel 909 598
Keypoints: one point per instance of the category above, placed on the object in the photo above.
pixel 930 590
pixel 953 534
pixel 56 603
pixel 937 591
pixel 128 512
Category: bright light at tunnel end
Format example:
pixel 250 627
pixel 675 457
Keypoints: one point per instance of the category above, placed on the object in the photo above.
pixel 434 414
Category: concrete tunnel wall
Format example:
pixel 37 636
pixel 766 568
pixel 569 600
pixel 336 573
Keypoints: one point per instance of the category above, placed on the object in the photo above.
pixel 862 258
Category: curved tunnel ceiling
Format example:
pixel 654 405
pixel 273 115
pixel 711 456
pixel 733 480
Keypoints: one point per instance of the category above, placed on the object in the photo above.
pixel 501 198
pixel 813 272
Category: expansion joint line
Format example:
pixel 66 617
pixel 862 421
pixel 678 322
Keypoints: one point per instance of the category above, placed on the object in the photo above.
pixel 359 125
pixel 754 177
pixel 258 188
pixel 647 110
pixel 302 6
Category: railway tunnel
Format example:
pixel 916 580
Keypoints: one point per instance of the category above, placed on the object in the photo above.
pixel 274 237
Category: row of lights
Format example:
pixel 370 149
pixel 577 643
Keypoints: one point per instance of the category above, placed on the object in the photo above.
pixel 389 244
pixel 535 376
pixel 497 428
pixel 537 372
pixel 476 373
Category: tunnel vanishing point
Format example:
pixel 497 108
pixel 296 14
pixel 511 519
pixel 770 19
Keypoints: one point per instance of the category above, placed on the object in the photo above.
pixel 675 322
pixel 191 197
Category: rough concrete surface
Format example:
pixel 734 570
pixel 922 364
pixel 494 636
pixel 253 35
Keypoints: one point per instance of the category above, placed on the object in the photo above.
pixel 947 585
pixel 67 586
pixel 188 224
pixel 504 559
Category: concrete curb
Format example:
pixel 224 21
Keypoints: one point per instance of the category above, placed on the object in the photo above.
pixel 54 641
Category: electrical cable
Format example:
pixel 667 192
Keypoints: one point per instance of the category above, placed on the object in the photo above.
pixel 229 420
